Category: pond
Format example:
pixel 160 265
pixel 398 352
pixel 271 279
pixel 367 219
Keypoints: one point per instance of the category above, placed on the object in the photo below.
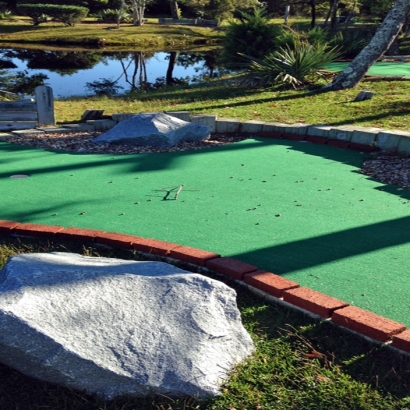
pixel 81 73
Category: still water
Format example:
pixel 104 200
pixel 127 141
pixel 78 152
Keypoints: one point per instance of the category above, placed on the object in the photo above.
pixel 70 73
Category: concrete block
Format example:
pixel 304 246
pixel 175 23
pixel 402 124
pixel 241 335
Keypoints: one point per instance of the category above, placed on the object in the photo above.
pixel 251 126
pixel 319 131
pixel 55 130
pixel 208 120
pixel 78 127
pixel 404 145
pixel 274 127
pixel 27 132
pixel 102 125
pixel 182 115
pixel 227 125
pixel 366 136
pixel 389 140
pixel 122 117
pixel 298 129
pixel 343 133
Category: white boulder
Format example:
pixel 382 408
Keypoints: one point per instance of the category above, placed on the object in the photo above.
pixel 154 129
pixel 115 327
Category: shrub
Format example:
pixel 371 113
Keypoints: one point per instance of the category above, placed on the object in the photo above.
pixel 298 66
pixel 111 16
pixel 254 35
pixel 350 43
pixel 39 13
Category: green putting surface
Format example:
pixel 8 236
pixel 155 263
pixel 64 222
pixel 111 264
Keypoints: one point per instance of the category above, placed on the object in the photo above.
pixel 383 69
pixel 299 210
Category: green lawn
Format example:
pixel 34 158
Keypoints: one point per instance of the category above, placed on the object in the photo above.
pixel 300 363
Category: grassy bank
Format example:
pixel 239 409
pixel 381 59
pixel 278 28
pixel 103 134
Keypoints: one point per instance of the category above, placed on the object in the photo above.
pixel 107 36
pixel 299 363
pixel 387 109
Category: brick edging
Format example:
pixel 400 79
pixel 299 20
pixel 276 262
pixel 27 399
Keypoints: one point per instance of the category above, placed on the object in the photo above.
pixel 339 312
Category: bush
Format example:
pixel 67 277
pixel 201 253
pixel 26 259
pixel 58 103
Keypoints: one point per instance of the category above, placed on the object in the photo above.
pixel 111 16
pixel 298 66
pixel 350 43
pixel 254 35
pixel 40 13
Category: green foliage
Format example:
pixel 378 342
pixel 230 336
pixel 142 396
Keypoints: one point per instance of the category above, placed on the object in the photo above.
pixel 218 9
pixel 21 82
pixel 3 7
pixel 297 67
pixel 111 16
pixel 376 9
pixel 253 34
pixel 103 86
pixel 40 13
pixel 350 43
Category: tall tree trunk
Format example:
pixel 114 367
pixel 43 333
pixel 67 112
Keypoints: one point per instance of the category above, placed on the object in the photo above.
pixel 333 16
pixel 313 11
pixel 381 41
pixel 174 10
pixel 120 13
pixel 171 64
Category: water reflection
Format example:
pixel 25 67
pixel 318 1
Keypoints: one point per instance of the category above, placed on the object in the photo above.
pixel 72 73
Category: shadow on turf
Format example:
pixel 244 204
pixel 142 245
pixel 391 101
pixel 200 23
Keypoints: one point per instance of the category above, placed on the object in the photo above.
pixel 319 250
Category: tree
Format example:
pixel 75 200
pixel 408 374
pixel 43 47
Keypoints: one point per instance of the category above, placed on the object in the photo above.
pixel 381 41
pixel 138 10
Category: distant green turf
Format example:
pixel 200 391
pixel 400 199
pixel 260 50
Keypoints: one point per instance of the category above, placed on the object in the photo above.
pixel 300 210
pixel 378 69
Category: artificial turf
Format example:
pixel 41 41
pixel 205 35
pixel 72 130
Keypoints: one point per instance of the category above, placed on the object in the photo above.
pixel 297 209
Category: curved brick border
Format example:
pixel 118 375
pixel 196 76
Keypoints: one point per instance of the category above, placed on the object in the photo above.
pixel 339 312
pixel 361 321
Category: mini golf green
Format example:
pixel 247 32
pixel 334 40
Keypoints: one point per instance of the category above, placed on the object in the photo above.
pixel 383 69
pixel 297 209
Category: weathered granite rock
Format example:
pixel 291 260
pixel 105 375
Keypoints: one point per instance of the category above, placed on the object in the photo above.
pixel 115 327
pixel 154 129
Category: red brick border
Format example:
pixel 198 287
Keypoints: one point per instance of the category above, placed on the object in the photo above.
pixel 269 282
pixel 313 301
pixel 359 320
pixel 231 267
pixel 37 230
pixel 402 341
pixel 367 323
pixel 8 226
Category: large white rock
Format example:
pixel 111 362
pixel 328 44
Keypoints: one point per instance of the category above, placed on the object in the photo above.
pixel 154 129
pixel 113 327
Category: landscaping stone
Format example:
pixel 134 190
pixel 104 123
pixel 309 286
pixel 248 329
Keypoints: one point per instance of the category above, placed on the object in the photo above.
pixel 115 327
pixel 251 126
pixel 154 129
pixel 367 136
pixel 209 120
pixel 101 125
pixel 342 133
pixel 319 131
pixel 182 115
pixel 227 125
pixel 274 127
pixel 389 140
pixel 298 129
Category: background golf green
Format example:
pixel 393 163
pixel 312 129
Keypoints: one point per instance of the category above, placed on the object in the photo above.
pixel 378 69
pixel 300 210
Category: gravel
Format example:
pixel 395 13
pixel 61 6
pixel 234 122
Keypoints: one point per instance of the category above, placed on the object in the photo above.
pixel 82 142
pixel 386 167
